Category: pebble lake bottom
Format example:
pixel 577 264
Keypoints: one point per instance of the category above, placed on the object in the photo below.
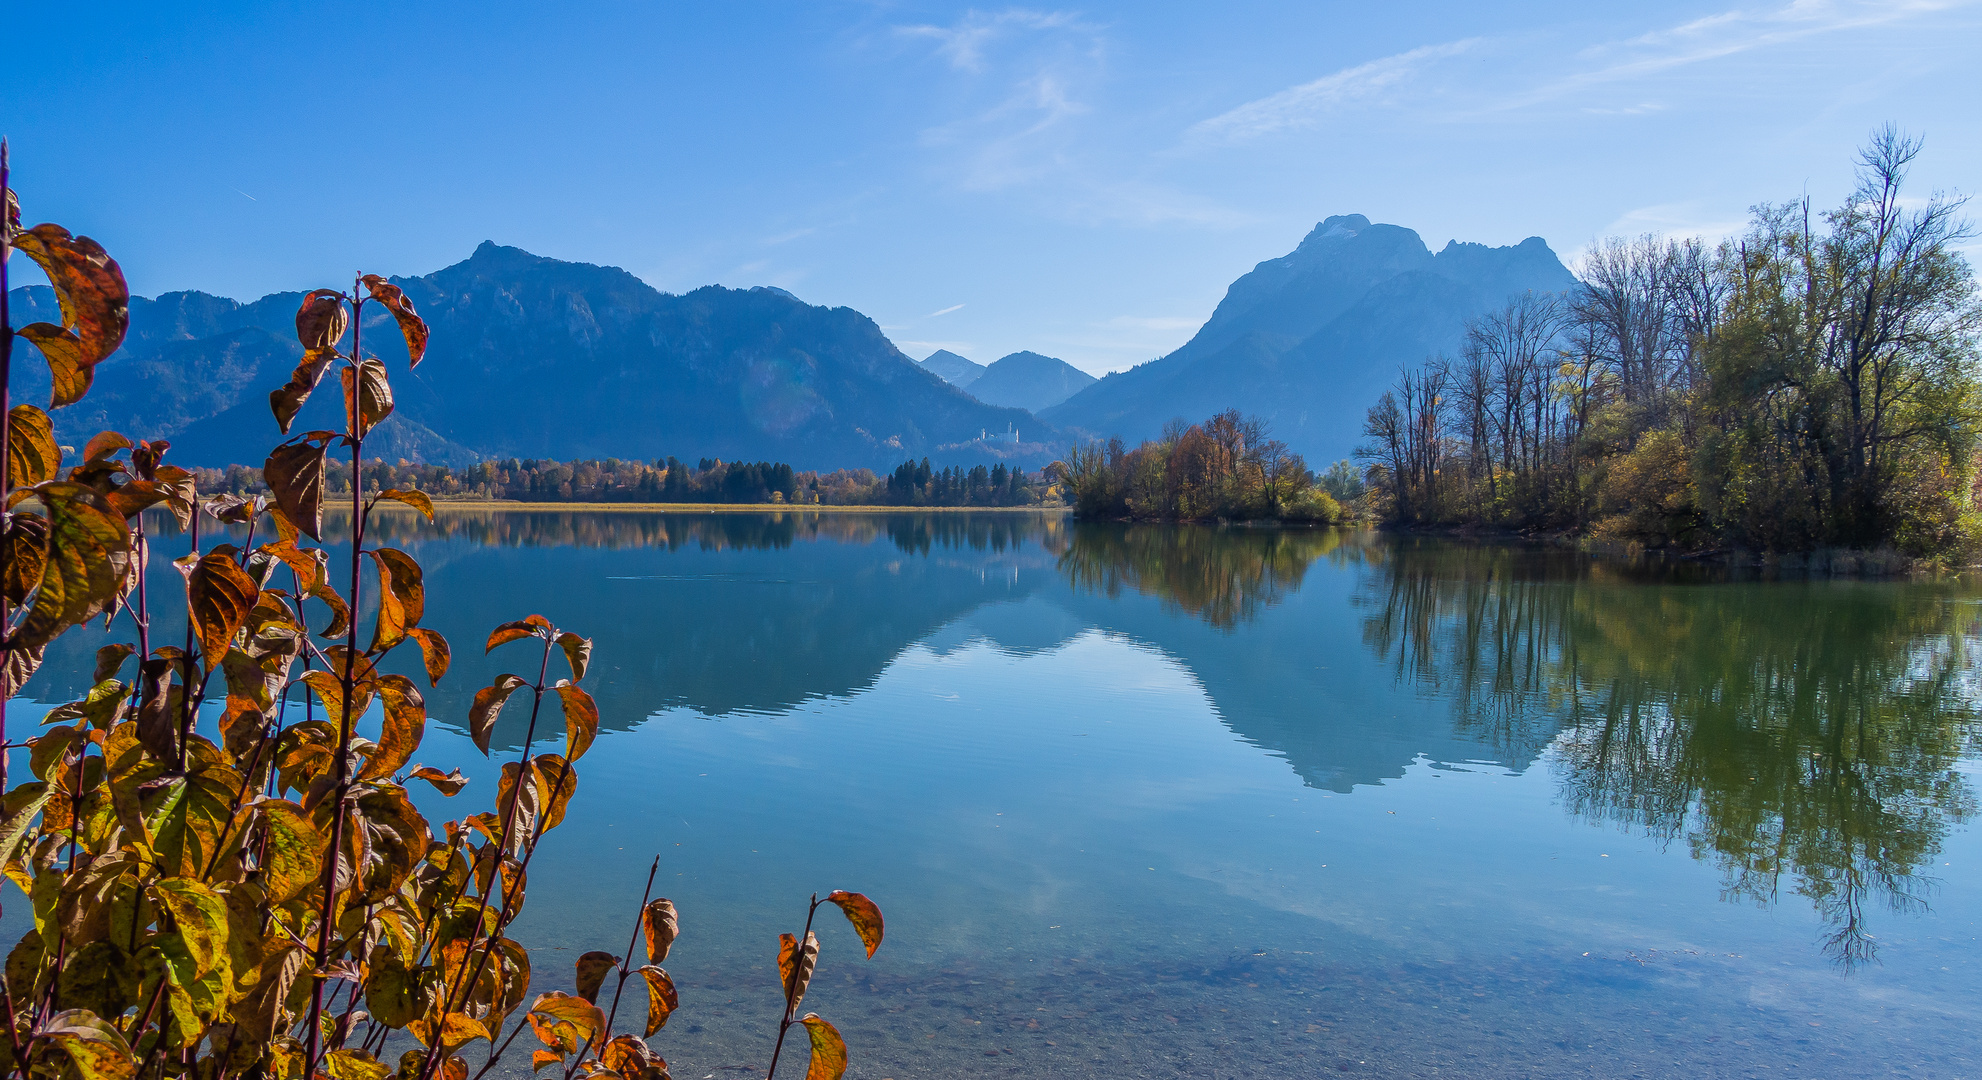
pixel 1178 801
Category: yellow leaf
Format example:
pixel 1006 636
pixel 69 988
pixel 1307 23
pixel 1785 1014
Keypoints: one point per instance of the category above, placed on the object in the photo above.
pixel 32 455
pixel 863 914
pixel 662 1000
pixel 459 1030
pixel 828 1049
pixel 449 783
pixel 88 560
pixel 201 918
pixel 581 720
pixel 93 1047
pixel 433 650
pixel 418 500
pixel 293 864
pixel 405 724
pixel 354 1065
pixel 583 1016
pixel 219 595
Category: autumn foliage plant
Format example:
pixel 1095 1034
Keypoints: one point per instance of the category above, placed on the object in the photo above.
pixel 249 890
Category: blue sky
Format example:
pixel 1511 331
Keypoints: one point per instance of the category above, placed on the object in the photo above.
pixel 1083 181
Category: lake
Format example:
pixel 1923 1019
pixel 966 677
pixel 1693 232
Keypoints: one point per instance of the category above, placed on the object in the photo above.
pixel 1185 801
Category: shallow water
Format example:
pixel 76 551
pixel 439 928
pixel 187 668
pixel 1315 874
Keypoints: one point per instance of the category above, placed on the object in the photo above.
pixel 1187 801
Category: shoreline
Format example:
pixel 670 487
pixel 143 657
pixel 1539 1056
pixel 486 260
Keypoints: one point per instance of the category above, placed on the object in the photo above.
pixel 715 508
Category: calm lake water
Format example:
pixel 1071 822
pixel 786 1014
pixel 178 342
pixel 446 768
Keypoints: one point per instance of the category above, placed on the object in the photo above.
pixel 1198 802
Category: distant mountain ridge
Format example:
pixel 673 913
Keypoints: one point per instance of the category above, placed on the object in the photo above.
pixel 955 369
pixel 1309 340
pixel 1027 380
pixel 534 357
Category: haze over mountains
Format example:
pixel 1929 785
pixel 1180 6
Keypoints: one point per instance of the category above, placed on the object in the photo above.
pixel 534 357
pixel 1310 340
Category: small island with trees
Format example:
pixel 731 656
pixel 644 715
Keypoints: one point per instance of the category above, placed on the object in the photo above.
pixel 1807 387
pixel 1227 468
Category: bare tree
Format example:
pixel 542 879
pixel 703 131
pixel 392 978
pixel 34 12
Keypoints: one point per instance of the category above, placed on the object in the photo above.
pixel 1628 296
pixel 1516 347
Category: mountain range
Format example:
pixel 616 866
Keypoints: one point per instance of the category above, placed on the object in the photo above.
pixel 537 358
pixel 533 357
pixel 1310 340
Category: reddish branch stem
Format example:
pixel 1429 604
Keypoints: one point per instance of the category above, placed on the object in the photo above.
pixel 349 685
pixel 605 1034
pixel 791 988
pixel 624 972
pixel 6 428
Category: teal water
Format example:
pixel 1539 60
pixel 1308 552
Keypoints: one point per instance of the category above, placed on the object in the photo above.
pixel 1197 802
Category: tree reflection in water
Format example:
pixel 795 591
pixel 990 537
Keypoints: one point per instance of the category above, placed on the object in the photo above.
pixel 1221 575
pixel 1799 735
pixel 911 531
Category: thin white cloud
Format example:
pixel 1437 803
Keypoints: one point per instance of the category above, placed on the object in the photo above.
pixel 1715 37
pixel 1304 105
pixel 1643 108
pixel 1625 62
pixel 1677 219
pixel 788 237
pixel 944 311
pixel 1034 119
pixel 964 45
pixel 1019 139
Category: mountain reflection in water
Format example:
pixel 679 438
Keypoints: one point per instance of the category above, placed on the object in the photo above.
pixel 1800 736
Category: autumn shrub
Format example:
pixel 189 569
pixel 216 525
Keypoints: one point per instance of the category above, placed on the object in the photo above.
pixel 255 894
pixel 1647 492
pixel 1227 467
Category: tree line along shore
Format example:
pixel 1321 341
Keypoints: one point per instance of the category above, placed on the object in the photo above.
pixel 711 482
